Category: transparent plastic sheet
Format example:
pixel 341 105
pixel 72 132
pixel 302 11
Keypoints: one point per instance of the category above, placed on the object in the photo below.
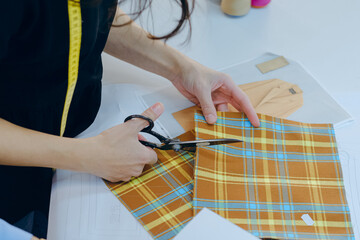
pixel 319 106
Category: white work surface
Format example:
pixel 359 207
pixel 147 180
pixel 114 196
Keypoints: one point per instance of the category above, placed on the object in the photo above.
pixel 323 36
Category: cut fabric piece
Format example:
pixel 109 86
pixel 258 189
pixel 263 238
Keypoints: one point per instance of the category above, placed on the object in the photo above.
pixel 161 198
pixel 185 117
pixel 272 97
pixel 282 170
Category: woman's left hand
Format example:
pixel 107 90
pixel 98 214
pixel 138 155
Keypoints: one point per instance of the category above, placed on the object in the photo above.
pixel 212 91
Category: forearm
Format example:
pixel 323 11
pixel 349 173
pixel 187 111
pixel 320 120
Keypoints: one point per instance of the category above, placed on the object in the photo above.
pixel 24 147
pixel 115 154
pixel 131 44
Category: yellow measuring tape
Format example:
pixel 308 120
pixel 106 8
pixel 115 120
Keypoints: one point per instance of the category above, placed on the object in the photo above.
pixel 74 11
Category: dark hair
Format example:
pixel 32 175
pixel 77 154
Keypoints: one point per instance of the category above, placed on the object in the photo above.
pixel 186 11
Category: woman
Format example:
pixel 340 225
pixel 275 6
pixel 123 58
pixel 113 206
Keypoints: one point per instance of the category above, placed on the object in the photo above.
pixel 34 52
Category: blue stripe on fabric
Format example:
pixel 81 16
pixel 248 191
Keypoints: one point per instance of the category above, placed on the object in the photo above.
pixel 302 235
pixel 285 131
pixel 271 155
pixel 247 123
pixel 179 192
pixel 254 206
pixel 258 202
pixel 199 117
pixel 277 127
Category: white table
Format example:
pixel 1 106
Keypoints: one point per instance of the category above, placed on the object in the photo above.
pixel 324 37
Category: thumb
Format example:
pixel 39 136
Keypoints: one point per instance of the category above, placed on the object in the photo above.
pixel 152 112
pixel 207 106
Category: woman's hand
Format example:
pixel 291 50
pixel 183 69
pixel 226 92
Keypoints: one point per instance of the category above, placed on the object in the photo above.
pixel 212 91
pixel 201 85
pixel 116 154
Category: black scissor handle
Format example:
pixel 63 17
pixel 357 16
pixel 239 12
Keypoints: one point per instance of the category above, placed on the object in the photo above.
pixel 149 144
pixel 149 128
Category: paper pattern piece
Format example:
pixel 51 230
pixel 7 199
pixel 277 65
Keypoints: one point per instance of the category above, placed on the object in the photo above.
pixel 272 65
pixel 281 171
pixel 161 198
pixel 210 226
pixel 272 97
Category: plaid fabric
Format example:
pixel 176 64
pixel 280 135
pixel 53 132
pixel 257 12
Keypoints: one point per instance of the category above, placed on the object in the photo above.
pixel 161 198
pixel 282 170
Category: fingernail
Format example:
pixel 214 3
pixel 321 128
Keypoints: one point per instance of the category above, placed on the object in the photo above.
pixel 157 108
pixel 210 118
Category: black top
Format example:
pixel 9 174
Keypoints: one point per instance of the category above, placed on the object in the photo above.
pixel 34 50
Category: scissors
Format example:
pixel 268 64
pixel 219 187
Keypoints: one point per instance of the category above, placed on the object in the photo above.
pixel 176 144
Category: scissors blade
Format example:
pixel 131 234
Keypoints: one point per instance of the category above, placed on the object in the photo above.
pixel 177 145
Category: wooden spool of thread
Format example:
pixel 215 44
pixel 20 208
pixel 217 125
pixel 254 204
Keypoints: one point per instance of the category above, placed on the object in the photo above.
pixel 236 7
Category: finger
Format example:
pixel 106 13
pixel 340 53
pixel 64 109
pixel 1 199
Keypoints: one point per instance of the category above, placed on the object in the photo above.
pixel 142 138
pixel 242 103
pixel 150 156
pixel 152 112
pixel 125 179
pixel 223 107
pixel 138 171
pixel 207 106
pixel 250 113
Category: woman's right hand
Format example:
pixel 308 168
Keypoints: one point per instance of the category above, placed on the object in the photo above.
pixel 116 154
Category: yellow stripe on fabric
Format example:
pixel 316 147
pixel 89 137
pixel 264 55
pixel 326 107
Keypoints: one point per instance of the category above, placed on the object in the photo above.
pixel 175 162
pixel 332 224
pixel 75 28
pixel 220 162
pixel 177 165
pixel 136 182
pixel 305 143
pixel 288 187
pixel 167 217
pixel 145 192
pixel 314 190
pixel 245 180
pixel 318 190
pixel 241 175
pixel 204 174
pixel 267 181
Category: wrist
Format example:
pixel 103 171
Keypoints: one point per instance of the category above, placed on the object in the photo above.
pixel 86 154
pixel 69 154
pixel 182 66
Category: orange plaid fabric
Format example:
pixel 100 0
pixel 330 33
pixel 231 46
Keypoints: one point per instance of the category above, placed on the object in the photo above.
pixel 161 198
pixel 282 170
